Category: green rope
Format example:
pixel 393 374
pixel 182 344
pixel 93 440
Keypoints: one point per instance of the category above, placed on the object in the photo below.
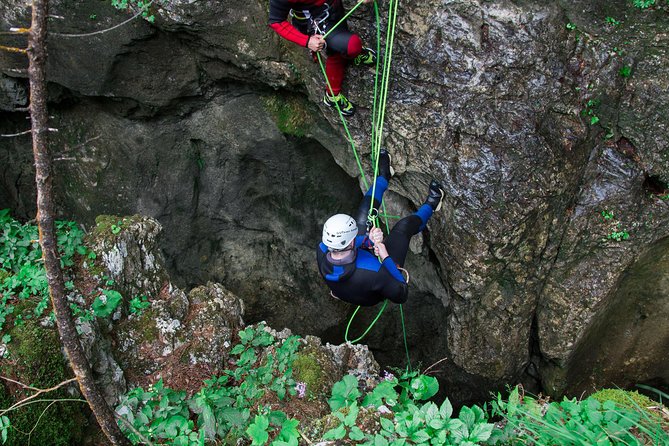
pixel 350 321
pixel 345 17
pixel 343 120
pixel 404 333
pixel 378 118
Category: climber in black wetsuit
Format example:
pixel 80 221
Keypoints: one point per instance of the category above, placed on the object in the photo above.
pixel 347 256
pixel 311 20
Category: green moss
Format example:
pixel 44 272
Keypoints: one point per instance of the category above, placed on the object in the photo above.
pixel 36 358
pixel 291 114
pixel 624 398
pixel 306 369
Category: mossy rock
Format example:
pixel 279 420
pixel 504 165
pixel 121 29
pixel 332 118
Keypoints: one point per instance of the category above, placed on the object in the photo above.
pixel 290 113
pixel 36 359
pixel 625 398
pixel 308 369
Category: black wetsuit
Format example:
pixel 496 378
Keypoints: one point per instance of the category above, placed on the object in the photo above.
pixel 364 280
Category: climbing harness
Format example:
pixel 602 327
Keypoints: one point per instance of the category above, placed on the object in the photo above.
pixel 378 118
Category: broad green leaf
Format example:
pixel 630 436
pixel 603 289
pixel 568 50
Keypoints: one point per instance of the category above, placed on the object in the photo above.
pixel 384 391
pixel 387 425
pixel 289 430
pixel 380 441
pixel 237 349
pixel 344 392
pixel 420 436
pixel 258 430
pixel 424 387
pixel 349 419
pixel 335 434
pixel 356 433
pixel 481 432
pixel 446 409
pixel 467 416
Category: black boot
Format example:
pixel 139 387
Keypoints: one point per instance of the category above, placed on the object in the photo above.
pixel 435 195
pixel 385 169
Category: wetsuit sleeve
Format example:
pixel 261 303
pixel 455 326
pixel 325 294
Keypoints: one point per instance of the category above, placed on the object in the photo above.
pixel 278 14
pixel 396 290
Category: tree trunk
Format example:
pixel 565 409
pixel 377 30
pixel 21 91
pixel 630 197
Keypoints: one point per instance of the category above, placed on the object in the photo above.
pixel 45 220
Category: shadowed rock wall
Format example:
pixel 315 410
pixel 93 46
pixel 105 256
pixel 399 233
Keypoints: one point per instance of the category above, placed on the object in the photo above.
pixel 495 99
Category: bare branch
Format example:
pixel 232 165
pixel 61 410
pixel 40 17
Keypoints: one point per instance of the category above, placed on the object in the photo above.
pixel 12 49
pixel 101 31
pixel 16 134
pixel 67 149
pixel 37 393
pixel 430 368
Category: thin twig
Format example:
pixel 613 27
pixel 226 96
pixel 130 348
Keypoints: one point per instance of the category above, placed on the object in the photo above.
pixel 101 31
pixel 40 417
pixel 12 49
pixel 305 437
pixel 67 149
pixel 17 134
pixel 430 368
pixel 33 396
pixel 132 428
pixel 24 403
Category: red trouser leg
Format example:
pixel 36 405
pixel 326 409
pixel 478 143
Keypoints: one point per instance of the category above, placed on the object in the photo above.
pixel 335 67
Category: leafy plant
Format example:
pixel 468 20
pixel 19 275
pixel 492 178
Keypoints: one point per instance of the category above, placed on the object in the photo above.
pixel 226 405
pixel 143 6
pixel 22 274
pixel 618 235
pixel 572 422
pixel 590 110
pixel 105 304
pixel 612 21
pixel 625 71
pixel 643 4
pixel 608 215
pixel 139 304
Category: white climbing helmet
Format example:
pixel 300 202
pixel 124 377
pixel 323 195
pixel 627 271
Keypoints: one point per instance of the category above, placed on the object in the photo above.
pixel 338 231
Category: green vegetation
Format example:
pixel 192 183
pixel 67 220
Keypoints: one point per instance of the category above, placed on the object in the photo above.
pixel 241 403
pixel 643 4
pixel 36 359
pixel 616 231
pixel 230 406
pixel 574 423
pixel 589 111
pixel 393 413
pixel 625 71
pixel 144 7
pixel 612 21
pixel 291 114
pixel 624 398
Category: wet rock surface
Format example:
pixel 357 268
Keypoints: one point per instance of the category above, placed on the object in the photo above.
pixel 496 100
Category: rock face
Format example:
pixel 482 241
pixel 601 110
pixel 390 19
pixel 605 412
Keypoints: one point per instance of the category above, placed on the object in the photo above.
pixel 548 153
pixel 180 338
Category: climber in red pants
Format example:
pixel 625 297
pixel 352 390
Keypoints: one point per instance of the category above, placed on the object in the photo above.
pixel 311 19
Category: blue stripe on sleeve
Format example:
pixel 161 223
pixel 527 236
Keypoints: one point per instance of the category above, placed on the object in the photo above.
pixel 392 269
